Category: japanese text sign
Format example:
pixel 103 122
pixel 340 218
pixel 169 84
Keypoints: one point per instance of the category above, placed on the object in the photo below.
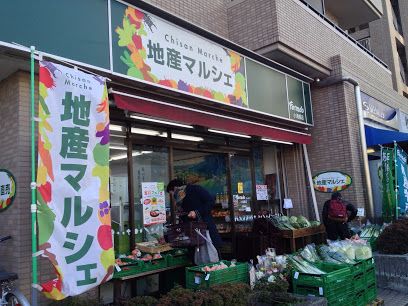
pixel 153 50
pixel 262 192
pixel 154 206
pixel 331 181
pixel 72 179
pixel 7 189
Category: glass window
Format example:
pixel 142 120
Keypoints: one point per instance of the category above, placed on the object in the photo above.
pixel 119 198
pixel 150 164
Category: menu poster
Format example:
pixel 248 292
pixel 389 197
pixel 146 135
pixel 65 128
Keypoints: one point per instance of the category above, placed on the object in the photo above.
pixel 262 192
pixel 154 205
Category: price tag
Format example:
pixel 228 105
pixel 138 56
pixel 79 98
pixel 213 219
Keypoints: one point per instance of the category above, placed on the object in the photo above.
pixel 296 276
pixel 207 277
pixel 197 280
pixel 360 212
pixel 320 290
pixel 118 269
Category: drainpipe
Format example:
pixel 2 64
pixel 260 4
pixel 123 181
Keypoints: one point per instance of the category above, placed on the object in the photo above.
pixel 357 93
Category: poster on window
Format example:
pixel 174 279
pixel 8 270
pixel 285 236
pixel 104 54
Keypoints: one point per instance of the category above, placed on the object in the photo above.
pixel 154 205
pixel 74 219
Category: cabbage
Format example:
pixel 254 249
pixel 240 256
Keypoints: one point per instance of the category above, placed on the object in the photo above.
pixel 363 252
pixel 303 221
pixel 314 223
pixel 284 219
pixel 293 219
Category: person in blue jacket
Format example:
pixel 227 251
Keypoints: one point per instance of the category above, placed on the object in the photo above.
pixel 197 203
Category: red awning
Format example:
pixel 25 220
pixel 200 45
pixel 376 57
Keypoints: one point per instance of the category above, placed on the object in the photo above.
pixel 191 116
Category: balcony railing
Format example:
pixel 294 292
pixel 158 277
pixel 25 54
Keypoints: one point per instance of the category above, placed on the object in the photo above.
pixel 343 33
pixel 365 42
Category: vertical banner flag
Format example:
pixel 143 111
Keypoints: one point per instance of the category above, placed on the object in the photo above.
pixel 388 190
pixel 401 170
pixel 74 218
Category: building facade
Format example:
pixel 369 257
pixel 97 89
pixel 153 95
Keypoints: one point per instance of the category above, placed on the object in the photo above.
pixel 315 41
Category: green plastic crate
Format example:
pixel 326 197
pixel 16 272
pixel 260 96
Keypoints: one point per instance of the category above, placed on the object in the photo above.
pixel 335 294
pixel 175 259
pixel 371 293
pixel 134 267
pixel 335 274
pixel 359 282
pixel 369 264
pixel 370 277
pixel 359 299
pixel 356 269
pixel 156 264
pixel 196 278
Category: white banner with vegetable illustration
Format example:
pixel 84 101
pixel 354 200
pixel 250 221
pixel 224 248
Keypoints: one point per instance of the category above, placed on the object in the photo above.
pixel 72 180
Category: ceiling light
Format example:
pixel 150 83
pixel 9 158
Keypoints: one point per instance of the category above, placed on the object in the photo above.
pixel 277 141
pixel 114 127
pixel 118 148
pixel 370 150
pixel 186 137
pixel 228 133
pixel 162 121
pixel 148 132
pixel 123 156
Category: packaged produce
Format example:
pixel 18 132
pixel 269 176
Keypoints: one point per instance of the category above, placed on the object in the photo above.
pixel 301 265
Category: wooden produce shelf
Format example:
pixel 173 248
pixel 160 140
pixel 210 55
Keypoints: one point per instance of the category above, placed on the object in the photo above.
pixel 303 232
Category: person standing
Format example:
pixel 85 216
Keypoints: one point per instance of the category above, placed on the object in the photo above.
pixel 336 215
pixel 197 203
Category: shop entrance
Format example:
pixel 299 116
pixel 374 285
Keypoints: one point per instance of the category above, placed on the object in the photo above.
pixel 229 168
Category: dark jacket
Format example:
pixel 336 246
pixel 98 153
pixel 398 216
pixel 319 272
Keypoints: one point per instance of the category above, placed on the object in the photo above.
pixel 335 229
pixel 200 200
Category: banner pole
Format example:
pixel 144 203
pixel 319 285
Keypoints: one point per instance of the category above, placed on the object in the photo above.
pixel 34 292
pixel 396 180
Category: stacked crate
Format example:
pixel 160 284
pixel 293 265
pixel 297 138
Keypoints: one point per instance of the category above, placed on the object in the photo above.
pixel 341 285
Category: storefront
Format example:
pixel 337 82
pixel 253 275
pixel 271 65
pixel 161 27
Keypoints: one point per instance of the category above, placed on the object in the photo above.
pixel 192 105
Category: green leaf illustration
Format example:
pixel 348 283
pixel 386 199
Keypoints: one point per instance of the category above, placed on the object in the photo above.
pixel 126 34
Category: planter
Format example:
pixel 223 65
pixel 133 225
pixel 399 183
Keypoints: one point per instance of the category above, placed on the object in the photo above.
pixel 392 272
pixel 303 300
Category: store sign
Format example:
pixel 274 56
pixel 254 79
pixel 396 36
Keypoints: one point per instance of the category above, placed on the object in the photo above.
pixel 154 205
pixel 74 217
pixel 7 189
pixel 155 51
pixel 262 192
pixel 331 181
pixel 378 111
pixel 403 119
pixel 401 169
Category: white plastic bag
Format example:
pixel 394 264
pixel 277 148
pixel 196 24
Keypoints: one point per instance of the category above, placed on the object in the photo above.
pixel 206 253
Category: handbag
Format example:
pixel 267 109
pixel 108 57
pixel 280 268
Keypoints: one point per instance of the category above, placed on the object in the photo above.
pixel 205 253
pixel 185 234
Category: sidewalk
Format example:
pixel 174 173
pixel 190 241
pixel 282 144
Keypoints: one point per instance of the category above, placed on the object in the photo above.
pixel 393 298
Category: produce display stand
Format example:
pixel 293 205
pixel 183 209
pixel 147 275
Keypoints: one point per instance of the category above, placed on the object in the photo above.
pixel 118 282
pixel 307 235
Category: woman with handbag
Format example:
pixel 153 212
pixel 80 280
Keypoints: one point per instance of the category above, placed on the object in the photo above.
pixel 197 203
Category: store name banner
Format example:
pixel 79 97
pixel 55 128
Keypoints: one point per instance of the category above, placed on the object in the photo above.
pixel 378 111
pixel 331 181
pixel 158 52
pixel 152 50
pixel 74 218
pixel 388 184
pixel 403 118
